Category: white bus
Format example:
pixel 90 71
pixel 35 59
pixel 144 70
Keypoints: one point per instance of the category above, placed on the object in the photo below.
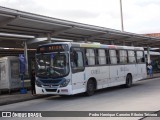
pixel 68 68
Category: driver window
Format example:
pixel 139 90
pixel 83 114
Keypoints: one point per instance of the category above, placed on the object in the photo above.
pixel 77 61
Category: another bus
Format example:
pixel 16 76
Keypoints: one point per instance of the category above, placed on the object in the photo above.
pixel 68 68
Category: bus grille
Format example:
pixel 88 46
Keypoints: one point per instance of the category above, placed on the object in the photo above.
pixel 51 81
pixel 51 90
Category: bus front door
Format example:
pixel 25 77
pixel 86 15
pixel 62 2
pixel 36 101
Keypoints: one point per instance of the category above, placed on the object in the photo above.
pixel 77 65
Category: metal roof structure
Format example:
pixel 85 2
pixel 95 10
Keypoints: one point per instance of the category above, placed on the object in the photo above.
pixel 15 52
pixel 18 26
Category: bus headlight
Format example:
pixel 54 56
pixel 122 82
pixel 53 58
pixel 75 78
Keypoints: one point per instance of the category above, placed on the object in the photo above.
pixel 38 83
pixel 65 83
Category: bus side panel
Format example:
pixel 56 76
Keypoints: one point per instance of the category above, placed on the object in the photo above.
pixel 138 71
pixel 105 73
pixel 142 73
pixel 132 69
pixel 116 75
pixel 100 73
pixel 78 82
pixel 121 75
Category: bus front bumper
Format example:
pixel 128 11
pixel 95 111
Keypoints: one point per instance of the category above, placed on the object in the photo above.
pixel 58 91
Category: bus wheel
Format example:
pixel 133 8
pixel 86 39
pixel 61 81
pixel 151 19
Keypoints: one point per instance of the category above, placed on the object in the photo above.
pixel 128 81
pixel 90 88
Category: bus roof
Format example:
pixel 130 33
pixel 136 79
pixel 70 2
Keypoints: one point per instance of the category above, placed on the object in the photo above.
pixel 98 45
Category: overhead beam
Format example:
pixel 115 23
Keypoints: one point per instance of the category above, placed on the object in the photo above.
pixel 24 28
pixel 138 39
pixel 38 40
pixel 8 45
pixel 142 40
pixel 148 42
pixel 12 31
pixel 126 39
pixel 112 42
pixel 60 40
pixel 44 22
pixel 7 21
pixel 151 44
pixel 95 36
pixel 61 31
pixel 16 35
pixel 11 38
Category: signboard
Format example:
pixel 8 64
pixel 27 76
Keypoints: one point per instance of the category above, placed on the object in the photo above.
pixel 52 48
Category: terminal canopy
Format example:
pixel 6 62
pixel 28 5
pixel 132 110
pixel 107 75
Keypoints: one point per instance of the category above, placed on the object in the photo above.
pixel 16 27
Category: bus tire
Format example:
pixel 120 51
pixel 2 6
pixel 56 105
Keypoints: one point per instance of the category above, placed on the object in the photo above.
pixel 128 81
pixel 90 88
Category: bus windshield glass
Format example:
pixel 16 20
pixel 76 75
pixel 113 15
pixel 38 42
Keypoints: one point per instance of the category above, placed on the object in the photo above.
pixel 52 65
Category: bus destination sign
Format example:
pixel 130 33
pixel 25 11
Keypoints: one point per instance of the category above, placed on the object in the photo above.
pixel 52 48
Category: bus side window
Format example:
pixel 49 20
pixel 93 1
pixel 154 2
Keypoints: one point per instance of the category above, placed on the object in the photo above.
pixel 90 54
pixel 131 56
pixel 140 57
pixel 113 56
pixel 123 56
pixel 102 57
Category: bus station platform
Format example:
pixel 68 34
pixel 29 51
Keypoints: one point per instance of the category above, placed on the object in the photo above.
pixel 16 97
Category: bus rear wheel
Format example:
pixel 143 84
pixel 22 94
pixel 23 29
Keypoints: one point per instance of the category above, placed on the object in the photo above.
pixel 90 88
pixel 128 81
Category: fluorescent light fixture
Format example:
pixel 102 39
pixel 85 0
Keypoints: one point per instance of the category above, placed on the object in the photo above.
pixel 16 35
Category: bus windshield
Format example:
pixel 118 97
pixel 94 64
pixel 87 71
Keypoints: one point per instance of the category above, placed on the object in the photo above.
pixel 52 65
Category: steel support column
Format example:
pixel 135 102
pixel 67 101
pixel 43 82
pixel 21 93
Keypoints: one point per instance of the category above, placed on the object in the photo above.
pixel 148 55
pixel 26 56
